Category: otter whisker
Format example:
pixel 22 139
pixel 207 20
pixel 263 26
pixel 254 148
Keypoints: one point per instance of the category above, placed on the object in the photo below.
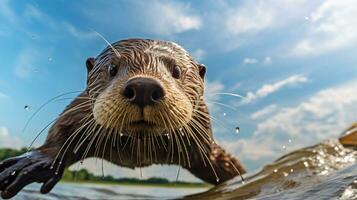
pixel 70 140
pixel 166 127
pixel 171 136
pixel 138 154
pixel 120 130
pixel 98 144
pixel 201 151
pixel 86 135
pixel 219 103
pixel 202 131
pixel 220 123
pixel 178 173
pixel 43 105
pixel 42 130
pixel 94 135
pixel 230 94
pixel 115 51
pixel 78 130
pixel 38 134
pixel 208 159
pixel 79 106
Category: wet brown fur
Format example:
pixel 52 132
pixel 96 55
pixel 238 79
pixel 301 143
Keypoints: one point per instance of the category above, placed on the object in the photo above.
pixel 96 123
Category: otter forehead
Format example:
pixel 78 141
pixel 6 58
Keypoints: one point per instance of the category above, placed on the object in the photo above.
pixel 145 50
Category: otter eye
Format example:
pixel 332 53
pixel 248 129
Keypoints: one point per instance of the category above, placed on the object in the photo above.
pixel 176 72
pixel 113 70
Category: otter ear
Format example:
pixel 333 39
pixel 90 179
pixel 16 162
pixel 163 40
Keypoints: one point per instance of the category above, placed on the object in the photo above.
pixel 90 64
pixel 202 70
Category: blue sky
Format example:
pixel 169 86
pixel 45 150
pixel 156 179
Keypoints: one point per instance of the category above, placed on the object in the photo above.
pixel 293 61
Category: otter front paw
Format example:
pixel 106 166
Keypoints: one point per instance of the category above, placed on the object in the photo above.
pixel 17 172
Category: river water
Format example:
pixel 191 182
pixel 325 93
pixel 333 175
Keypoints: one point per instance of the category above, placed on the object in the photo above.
pixel 324 171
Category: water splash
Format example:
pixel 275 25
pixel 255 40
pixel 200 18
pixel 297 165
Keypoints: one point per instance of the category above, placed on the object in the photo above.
pixel 302 172
pixel 285 174
pixel 27 107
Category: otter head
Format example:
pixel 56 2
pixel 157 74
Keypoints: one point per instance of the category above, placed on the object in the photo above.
pixel 144 87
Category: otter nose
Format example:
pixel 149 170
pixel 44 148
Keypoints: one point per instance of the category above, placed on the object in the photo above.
pixel 143 91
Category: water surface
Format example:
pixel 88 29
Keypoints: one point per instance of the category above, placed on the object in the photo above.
pixel 324 171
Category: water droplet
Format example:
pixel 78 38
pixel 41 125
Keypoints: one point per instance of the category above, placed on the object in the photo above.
pixel 284 147
pixel 237 129
pixel 51 167
pixel 355 181
pixel 56 173
pixel 217 179
pixel 275 170
pixel 291 170
pixel 289 140
pixel 13 173
pixel 180 129
pixel 121 134
pixel 243 182
pixel 307 18
pixel 60 163
pixel 285 174
pixel 27 107
pixel 50 59
pixel 224 114
pixel 306 164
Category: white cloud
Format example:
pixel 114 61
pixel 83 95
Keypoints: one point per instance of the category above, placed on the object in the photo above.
pixel 198 54
pixel 249 61
pixel 332 26
pixel 25 63
pixel 211 95
pixel 251 149
pixel 35 13
pixel 251 18
pixel 267 89
pixel 322 116
pixel 267 60
pixel 78 33
pixel 9 141
pixel 7 12
pixel 166 18
pixel 255 16
pixel 3 96
pixel 263 112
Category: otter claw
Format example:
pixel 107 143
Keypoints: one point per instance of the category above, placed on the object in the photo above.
pixel 16 173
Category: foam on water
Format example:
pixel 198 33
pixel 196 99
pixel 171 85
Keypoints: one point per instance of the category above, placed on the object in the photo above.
pixel 324 171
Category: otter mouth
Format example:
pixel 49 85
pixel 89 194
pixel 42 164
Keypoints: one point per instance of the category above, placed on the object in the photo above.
pixel 142 123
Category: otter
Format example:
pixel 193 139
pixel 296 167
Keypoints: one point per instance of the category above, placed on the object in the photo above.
pixel 143 105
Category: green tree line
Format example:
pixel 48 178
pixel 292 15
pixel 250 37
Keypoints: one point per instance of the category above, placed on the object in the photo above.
pixel 85 176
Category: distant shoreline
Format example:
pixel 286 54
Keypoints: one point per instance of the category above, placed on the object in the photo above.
pixel 165 185
pixel 85 177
